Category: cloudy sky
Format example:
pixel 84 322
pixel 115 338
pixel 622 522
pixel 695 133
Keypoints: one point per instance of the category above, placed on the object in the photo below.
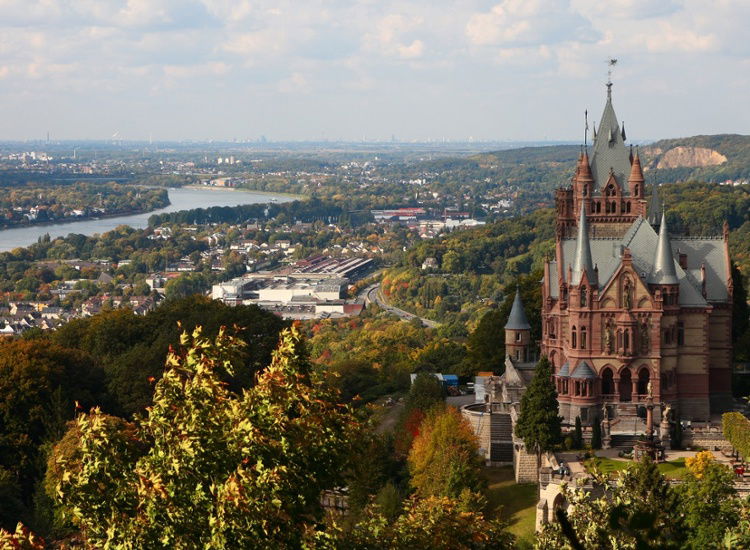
pixel 348 69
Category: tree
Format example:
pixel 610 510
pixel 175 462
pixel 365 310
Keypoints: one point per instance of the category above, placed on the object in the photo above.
pixel 486 344
pixel 40 384
pixel 207 467
pixel 638 511
pixel 578 434
pixel 708 492
pixel 185 285
pixel 437 523
pixel 444 458
pixel 596 433
pixel 539 424
pixel 426 391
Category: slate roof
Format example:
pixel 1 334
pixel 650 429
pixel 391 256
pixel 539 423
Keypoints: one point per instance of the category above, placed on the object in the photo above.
pixel 582 262
pixel 663 272
pixel 655 206
pixel 583 370
pixel 564 371
pixel 642 239
pixel 517 319
pixel 610 152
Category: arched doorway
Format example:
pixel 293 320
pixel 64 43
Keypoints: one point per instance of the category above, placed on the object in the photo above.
pixel 643 379
pixel 559 503
pixel 608 383
pixel 626 385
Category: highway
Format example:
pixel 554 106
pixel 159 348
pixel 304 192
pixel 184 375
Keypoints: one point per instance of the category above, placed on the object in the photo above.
pixel 372 294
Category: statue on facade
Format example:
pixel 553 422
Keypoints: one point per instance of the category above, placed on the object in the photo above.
pixel 644 338
pixel 608 339
pixel 665 415
pixel 626 295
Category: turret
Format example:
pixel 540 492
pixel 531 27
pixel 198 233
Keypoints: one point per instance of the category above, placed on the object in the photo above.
pixel 635 181
pixel 664 274
pixel 517 331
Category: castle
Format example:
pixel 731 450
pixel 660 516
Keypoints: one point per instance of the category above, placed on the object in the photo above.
pixel 628 309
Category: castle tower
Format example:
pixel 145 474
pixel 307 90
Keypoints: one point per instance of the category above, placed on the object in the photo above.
pixel 517 331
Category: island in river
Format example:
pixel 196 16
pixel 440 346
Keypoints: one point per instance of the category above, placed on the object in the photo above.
pixel 33 205
pixel 179 199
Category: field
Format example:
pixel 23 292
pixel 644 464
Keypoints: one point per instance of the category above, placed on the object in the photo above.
pixel 674 469
pixel 517 503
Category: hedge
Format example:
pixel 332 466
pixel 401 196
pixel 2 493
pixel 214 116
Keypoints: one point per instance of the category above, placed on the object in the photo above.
pixel 736 430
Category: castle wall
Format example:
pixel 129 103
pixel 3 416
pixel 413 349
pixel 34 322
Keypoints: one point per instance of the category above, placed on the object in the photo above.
pixel 524 464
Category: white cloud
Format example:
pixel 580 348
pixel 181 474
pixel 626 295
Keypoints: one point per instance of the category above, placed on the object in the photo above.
pixel 296 83
pixel 528 22
pixel 338 54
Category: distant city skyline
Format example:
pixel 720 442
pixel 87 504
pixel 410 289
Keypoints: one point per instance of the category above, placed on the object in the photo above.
pixel 341 70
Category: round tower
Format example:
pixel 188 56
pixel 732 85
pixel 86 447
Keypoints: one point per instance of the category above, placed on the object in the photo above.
pixel 517 332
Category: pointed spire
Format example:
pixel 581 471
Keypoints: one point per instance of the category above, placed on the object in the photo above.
pixel 582 262
pixel 517 319
pixel 584 169
pixel 655 207
pixel 664 272
pixel 636 172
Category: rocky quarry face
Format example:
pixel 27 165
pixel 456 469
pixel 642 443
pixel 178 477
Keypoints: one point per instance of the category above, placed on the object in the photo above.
pixel 690 157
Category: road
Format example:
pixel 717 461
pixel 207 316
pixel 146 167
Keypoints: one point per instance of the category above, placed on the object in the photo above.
pixel 372 294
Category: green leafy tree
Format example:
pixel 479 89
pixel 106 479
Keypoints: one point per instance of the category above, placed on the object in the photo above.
pixel 444 458
pixel 426 391
pixel 40 385
pixel 207 467
pixel 708 492
pixel 437 523
pixel 486 343
pixel 578 434
pixel 596 433
pixel 638 511
pixel 539 423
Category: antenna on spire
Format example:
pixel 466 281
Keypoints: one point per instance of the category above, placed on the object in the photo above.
pixel 586 130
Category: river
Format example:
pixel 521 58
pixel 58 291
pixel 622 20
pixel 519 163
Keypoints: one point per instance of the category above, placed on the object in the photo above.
pixel 180 199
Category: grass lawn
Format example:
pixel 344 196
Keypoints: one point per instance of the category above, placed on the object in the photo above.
pixel 518 502
pixel 674 469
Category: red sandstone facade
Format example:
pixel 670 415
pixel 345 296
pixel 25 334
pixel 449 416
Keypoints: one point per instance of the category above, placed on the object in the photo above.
pixel 627 307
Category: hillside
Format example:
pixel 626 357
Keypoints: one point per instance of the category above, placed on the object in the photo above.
pixel 714 158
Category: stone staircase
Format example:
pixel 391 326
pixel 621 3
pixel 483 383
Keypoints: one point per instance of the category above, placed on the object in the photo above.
pixel 623 441
pixel 501 438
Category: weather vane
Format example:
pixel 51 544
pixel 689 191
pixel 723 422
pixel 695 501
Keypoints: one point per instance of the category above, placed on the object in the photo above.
pixel 610 63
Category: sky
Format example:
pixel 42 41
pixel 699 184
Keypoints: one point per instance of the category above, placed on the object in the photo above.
pixel 509 70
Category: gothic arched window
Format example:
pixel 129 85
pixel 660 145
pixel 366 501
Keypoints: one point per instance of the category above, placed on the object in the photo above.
pixel 573 338
pixel 583 337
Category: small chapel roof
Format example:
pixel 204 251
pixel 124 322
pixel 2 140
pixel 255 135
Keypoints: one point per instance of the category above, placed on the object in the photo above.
pixel 583 370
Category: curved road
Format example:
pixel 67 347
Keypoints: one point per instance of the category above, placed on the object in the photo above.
pixel 372 294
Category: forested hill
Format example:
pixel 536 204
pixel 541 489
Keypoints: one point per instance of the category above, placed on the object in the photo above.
pixel 556 154
pixel 714 158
